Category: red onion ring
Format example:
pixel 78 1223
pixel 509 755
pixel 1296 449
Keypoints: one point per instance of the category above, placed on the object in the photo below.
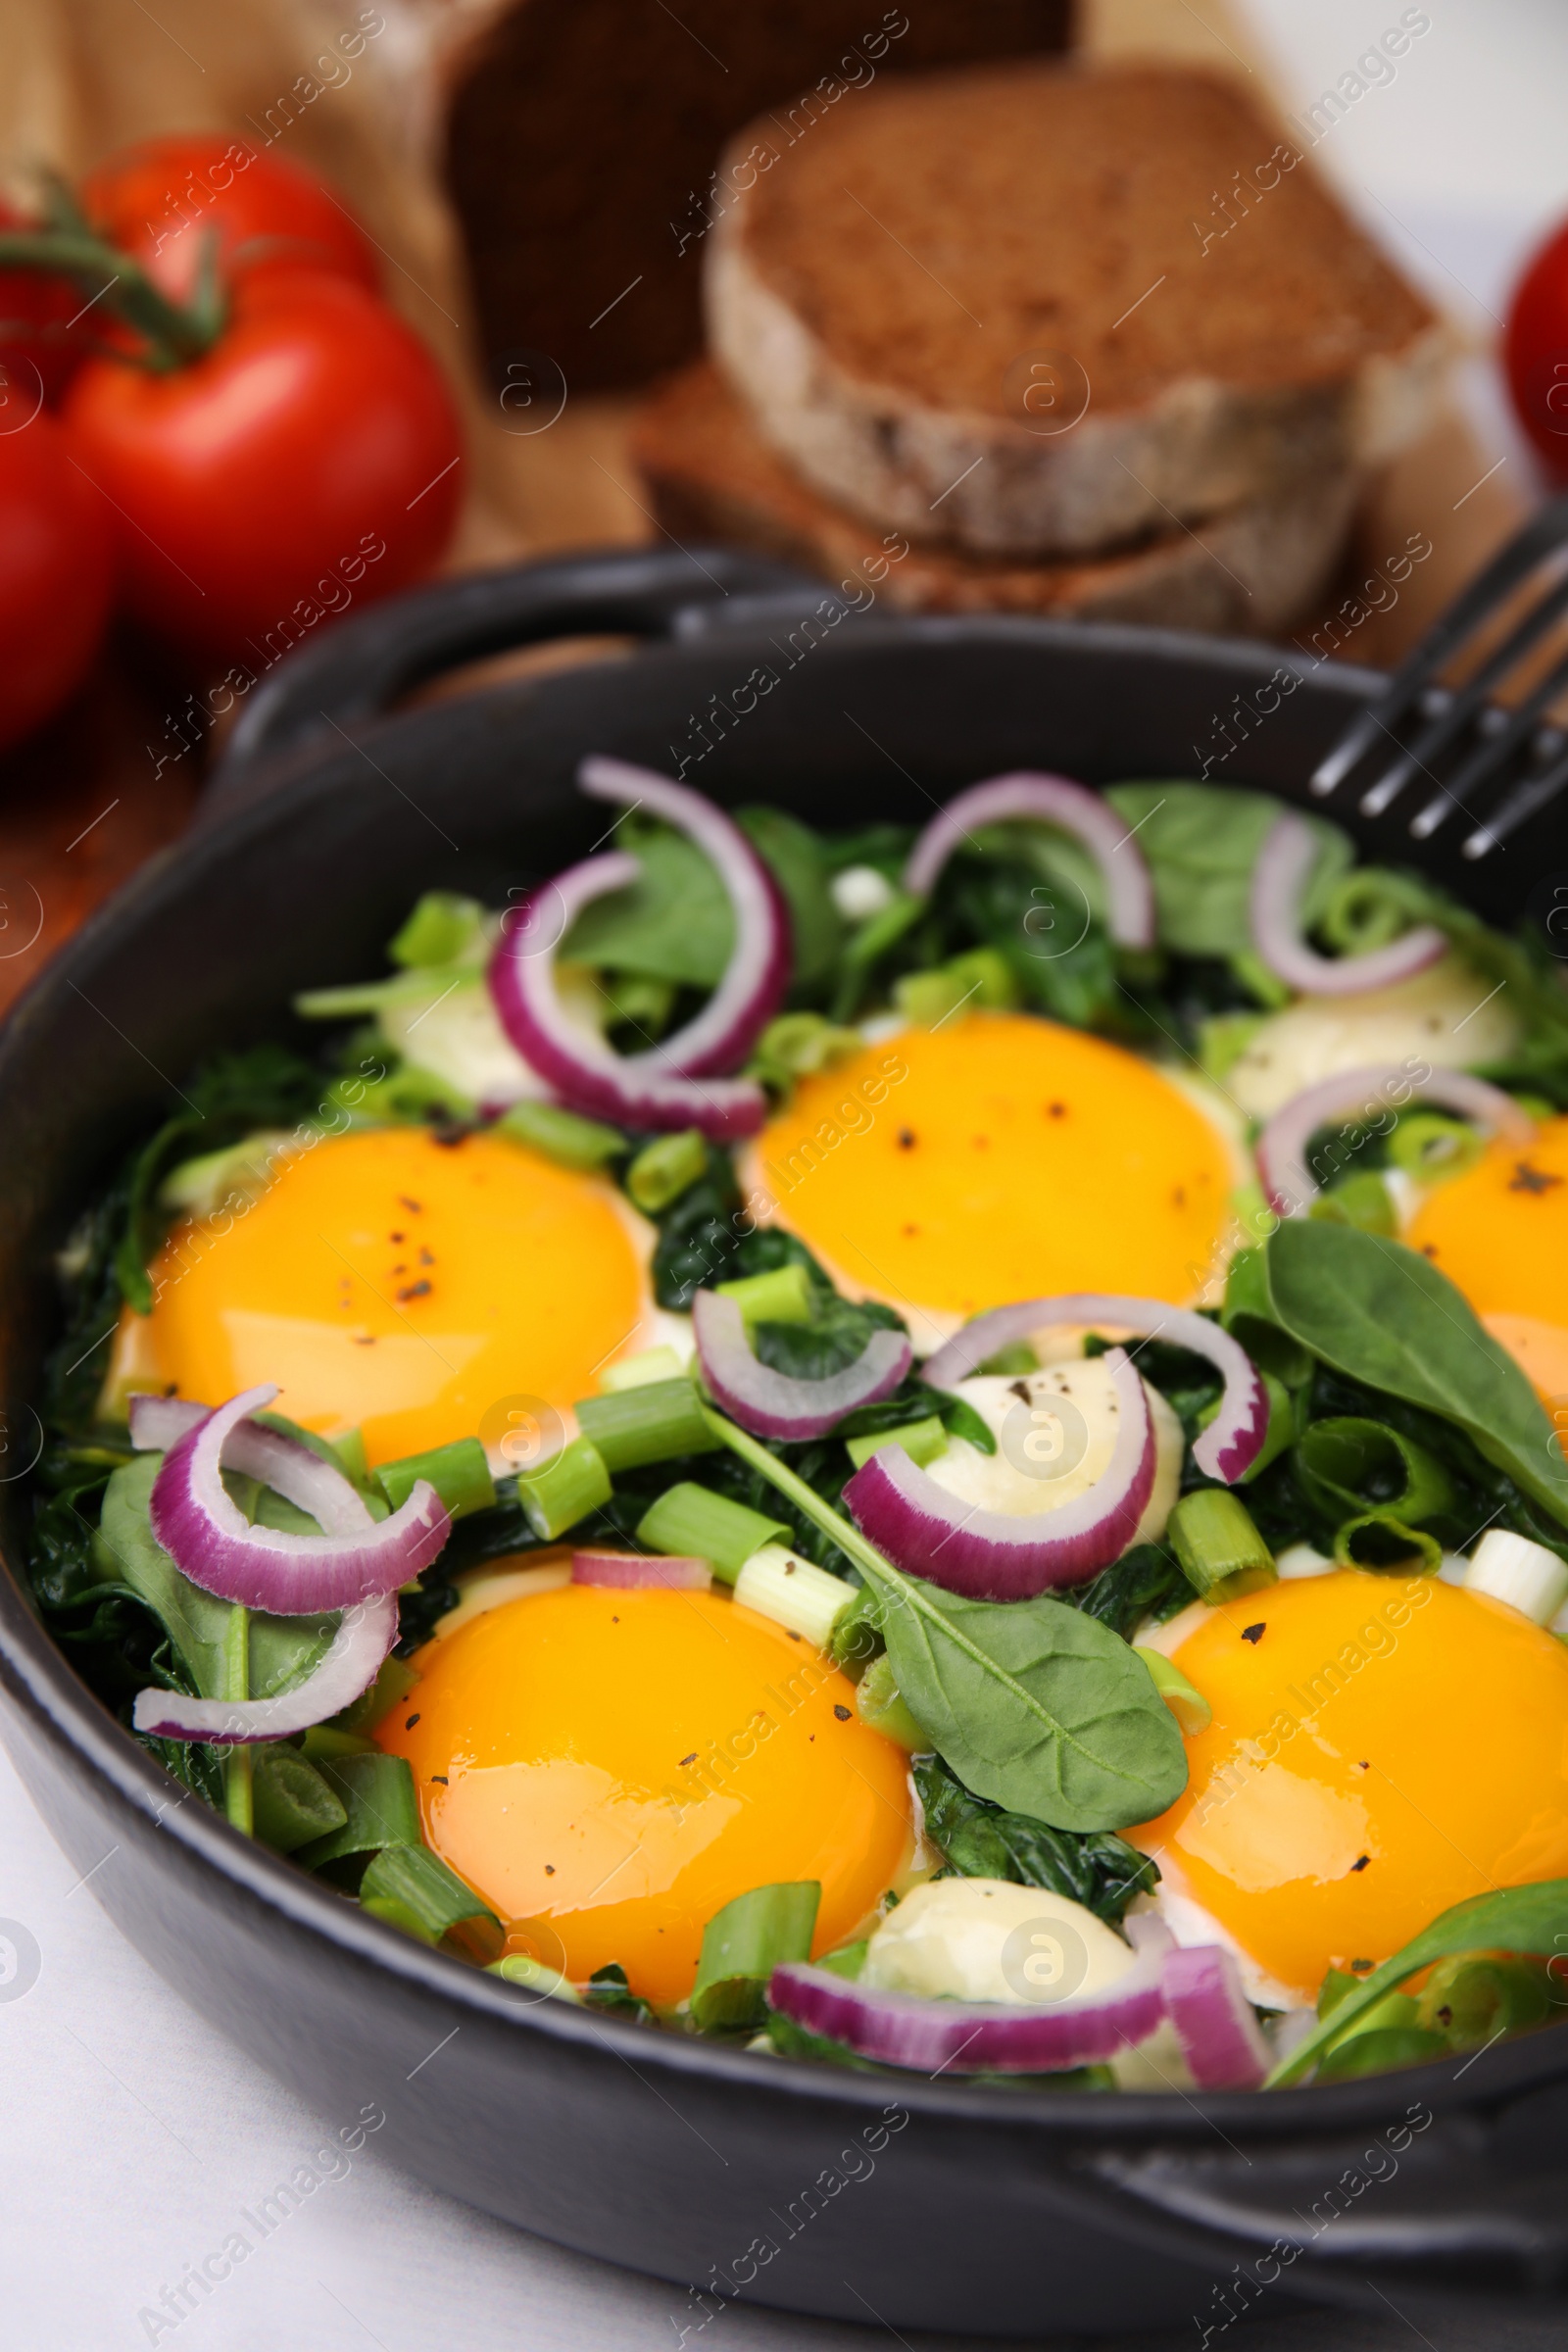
pixel 1281 1149
pixel 753 987
pixel 210 1539
pixel 1056 801
pixel 1284 866
pixel 990 1555
pixel 158 1424
pixel 966 2037
pixel 631 1572
pixel 634 1089
pixel 773 1404
pixel 1234 1438
pixel 351 1665
pixel 1213 2020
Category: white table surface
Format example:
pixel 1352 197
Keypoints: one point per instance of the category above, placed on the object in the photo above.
pixel 131 2138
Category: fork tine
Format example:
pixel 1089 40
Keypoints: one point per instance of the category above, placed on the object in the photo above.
pixel 1512 812
pixel 1451 721
pixel 1491 757
pixel 1507 569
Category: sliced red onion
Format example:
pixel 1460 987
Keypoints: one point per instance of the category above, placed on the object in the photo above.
pixel 1054 801
pixel 991 1555
pixel 754 983
pixel 967 2037
pixel 1213 2020
pixel 1283 870
pixel 210 1539
pixel 159 1423
pixel 1234 1438
pixel 634 1090
pixel 631 1571
pixel 1282 1146
pixel 773 1404
pixel 351 1665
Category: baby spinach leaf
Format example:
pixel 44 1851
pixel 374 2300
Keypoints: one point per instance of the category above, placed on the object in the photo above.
pixel 1146 1582
pixel 1514 1919
pixel 1036 1706
pixel 1384 1315
pixel 672 923
pixel 980 1841
pixel 1201 843
pixel 794 855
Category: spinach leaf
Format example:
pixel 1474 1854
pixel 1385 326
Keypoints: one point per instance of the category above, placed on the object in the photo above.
pixel 1201 843
pixel 1034 1705
pixel 794 855
pixel 672 923
pixel 1384 1315
pixel 979 1841
pixel 1146 1582
pixel 1514 1919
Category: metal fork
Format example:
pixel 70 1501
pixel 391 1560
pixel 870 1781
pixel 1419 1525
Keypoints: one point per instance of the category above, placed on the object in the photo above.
pixel 1468 743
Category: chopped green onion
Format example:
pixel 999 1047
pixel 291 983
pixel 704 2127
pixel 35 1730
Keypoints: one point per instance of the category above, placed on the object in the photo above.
pixel 858 1634
pixel 633 1427
pixel 643 1370
pixel 242 1171
pixel 1221 1553
pixel 332 1742
pixel 793 1593
pixel 1376 2053
pixel 1009 1362
pixel 742 1944
pixel 927 998
pixel 442 927
pixel 1190 1707
pixel 350 1452
pixel 1473 1998
pixel 1223 1039
pixel 1266 987
pixel 407 1882
pixel 459 1473
pixel 292 1801
pixel 1363 1201
pixel 393 1683
pixel 848 1960
pixel 797 1046
pixel 381 1808
pixel 638 998
pixel 1383 1542
pixel 535 1977
pixel 238 1795
pixel 562 1135
pixel 879 1706
pixel 922 1442
pixel 666 1168
pixel 1525 1575
pixel 1426 1145
pixel 867 945
pixel 983 977
pixel 782 1295
pixel 690 1522
pixel 563 1489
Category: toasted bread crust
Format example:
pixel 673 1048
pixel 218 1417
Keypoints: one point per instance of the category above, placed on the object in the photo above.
pixel 1247 573
pixel 882 294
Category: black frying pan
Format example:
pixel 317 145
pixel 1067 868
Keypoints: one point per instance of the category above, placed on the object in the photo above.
pixel 924 2204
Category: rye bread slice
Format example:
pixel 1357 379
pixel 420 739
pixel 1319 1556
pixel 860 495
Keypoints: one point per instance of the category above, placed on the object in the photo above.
pixel 1006 311
pixel 1247 573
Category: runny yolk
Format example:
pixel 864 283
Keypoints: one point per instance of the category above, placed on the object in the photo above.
pixel 1499 1232
pixel 998 1158
pixel 418 1290
pixel 1382 1747
pixel 614 1767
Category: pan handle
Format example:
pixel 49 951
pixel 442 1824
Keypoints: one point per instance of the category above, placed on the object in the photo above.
pixel 1412 2208
pixel 358 670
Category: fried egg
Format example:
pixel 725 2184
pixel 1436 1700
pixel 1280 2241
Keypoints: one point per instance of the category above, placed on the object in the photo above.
pixel 1499 1232
pixel 1380 1747
pixel 417 1290
pixel 610 1768
pixel 999 1156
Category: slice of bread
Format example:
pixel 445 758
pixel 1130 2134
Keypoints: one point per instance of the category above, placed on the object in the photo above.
pixel 1053 309
pixel 1246 573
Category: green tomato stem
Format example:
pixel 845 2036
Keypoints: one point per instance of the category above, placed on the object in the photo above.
pixel 174 335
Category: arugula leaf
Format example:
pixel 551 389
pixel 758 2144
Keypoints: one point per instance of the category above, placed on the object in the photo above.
pixel 1514 1919
pixel 1201 843
pixel 1040 1709
pixel 1384 1315
pixel 980 1841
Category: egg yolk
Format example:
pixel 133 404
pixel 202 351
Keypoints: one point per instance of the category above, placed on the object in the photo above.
pixel 1499 1232
pixel 998 1158
pixel 614 1767
pixel 1380 1748
pixel 418 1290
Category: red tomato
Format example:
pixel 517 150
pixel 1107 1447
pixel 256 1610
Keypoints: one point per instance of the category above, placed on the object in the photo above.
pixel 1535 350
pixel 309 461
pixel 56 572
pixel 161 201
pixel 37 349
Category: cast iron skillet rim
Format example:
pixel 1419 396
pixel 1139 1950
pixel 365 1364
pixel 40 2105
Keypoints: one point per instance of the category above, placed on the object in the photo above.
pixel 41 1678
